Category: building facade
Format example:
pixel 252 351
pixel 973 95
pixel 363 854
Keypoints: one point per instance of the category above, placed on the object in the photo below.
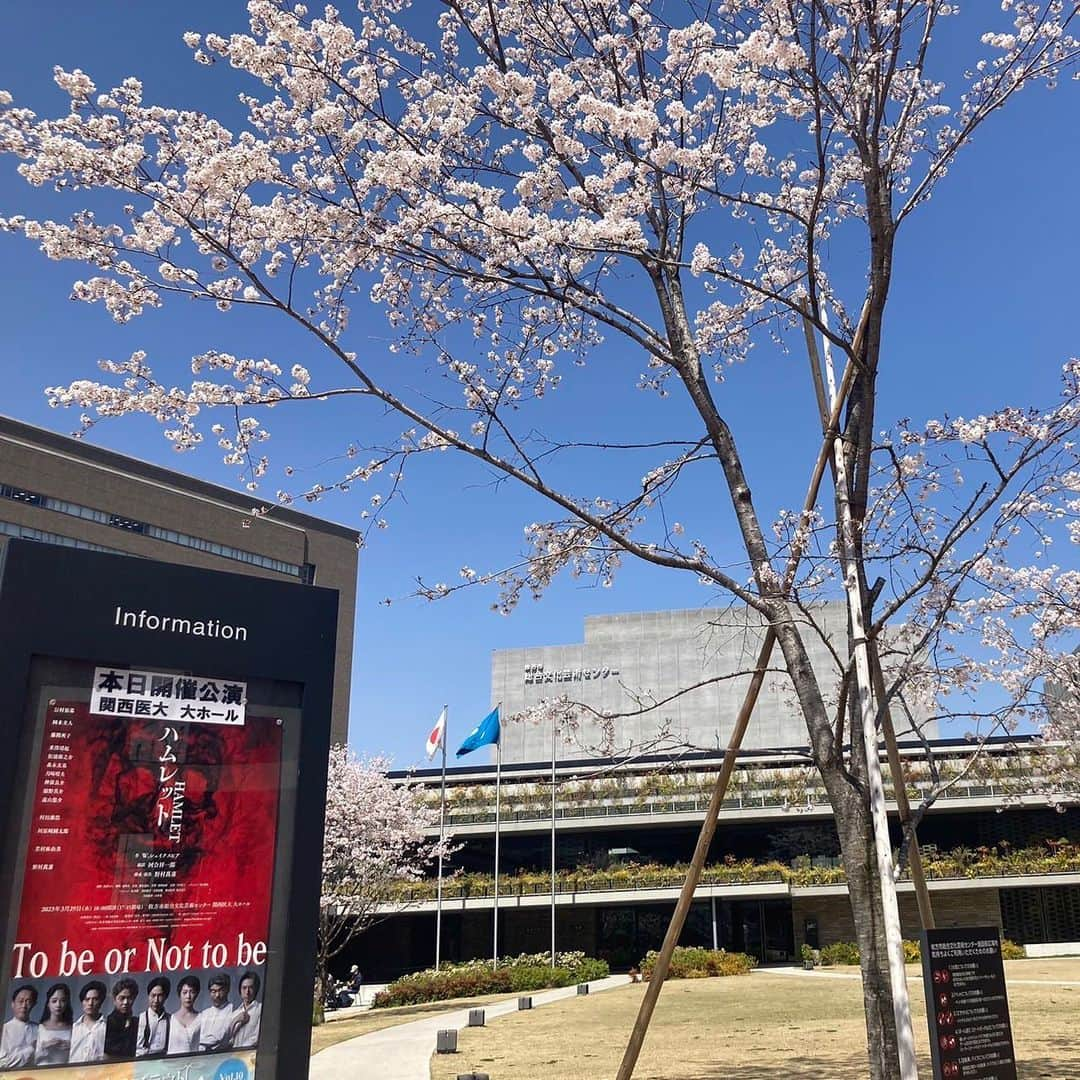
pixel 996 853
pixel 64 491
pixel 641 667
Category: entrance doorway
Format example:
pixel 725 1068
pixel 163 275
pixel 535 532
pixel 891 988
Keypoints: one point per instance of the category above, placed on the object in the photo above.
pixel 760 928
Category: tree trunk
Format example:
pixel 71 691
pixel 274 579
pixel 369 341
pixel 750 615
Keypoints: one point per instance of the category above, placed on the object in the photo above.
pixel 850 801
pixel 848 796
pixel 318 1011
pixel 854 825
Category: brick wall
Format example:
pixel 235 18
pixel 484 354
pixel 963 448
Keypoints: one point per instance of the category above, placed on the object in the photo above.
pixel 952 907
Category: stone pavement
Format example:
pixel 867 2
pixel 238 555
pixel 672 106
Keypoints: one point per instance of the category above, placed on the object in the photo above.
pixel 404 1052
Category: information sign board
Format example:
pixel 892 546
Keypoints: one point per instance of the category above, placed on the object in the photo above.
pixel 966 1004
pixel 157 911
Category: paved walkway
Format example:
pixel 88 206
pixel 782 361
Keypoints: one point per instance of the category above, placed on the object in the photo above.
pixel 404 1052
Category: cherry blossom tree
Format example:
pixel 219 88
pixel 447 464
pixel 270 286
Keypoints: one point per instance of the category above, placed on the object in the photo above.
pixel 526 189
pixel 377 836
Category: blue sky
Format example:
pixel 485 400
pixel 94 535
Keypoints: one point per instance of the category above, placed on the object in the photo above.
pixel 982 313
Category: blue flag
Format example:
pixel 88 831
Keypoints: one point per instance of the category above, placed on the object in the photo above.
pixel 486 732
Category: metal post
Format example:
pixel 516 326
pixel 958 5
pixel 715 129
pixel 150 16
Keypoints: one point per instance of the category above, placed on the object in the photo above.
pixel 715 937
pixel 554 729
pixel 918 878
pixel 903 807
pixel 495 912
pixel 442 843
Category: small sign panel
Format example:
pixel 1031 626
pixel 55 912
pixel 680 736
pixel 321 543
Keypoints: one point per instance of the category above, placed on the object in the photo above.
pixel 967 1008
pixel 156 695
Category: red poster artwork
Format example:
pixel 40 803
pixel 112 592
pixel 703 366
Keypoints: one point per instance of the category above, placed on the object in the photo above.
pixel 152 846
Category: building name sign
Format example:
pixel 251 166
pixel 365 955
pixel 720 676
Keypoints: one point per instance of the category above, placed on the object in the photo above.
pixel 157 695
pixel 536 673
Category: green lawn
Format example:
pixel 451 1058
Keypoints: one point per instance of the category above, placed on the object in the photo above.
pixel 754 1027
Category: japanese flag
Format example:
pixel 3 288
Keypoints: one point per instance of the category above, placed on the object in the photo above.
pixel 437 737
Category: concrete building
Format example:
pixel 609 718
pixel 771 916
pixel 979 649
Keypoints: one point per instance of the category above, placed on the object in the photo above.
pixel 625 826
pixel 996 851
pixel 64 491
pixel 643 663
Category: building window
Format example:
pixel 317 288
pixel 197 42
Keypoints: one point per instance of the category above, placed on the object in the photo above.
pixel 24 532
pixel 128 524
pixel 304 573
pixel 20 495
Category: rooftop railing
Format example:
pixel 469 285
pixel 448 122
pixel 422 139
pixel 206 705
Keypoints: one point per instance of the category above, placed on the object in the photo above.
pixel 627 802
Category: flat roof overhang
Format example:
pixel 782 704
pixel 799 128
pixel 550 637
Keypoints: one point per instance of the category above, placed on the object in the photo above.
pixel 597 897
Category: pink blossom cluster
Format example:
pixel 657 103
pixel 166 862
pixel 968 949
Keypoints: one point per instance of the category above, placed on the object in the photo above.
pixel 377 835
pixel 514 187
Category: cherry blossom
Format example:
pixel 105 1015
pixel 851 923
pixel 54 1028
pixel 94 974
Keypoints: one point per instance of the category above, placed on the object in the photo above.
pixel 376 837
pixel 653 190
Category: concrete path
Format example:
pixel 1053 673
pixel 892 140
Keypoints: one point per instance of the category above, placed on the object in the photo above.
pixel 404 1052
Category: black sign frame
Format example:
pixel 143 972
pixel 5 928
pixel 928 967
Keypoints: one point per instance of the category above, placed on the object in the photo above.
pixel 59 602
pixel 967 1005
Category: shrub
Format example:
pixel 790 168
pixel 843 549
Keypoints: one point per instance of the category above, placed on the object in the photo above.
pixel 847 952
pixel 474 977
pixel 1011 951
pixel 840 952
pixel 698 963
pixel 1054 856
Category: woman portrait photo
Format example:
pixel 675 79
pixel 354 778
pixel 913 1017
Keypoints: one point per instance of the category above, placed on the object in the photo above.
pixel 54 1027
pixel 184 1029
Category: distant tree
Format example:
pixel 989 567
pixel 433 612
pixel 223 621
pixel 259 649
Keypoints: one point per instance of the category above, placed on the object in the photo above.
pixel 377 837
pixel 513 182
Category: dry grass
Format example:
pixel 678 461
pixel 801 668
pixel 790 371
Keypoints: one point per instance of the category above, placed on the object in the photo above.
pixel 758 1027
pixel 375 1019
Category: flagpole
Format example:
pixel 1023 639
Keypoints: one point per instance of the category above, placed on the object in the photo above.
pixel 442 844
pixel 553 730
pixel 495 919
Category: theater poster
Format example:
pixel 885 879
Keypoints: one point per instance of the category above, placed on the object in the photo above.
pixel 144 913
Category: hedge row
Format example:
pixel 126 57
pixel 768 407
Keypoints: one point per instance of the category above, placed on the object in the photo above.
pixel 513 975
pixel 699 963
pixel 847 952
pixel 1053 857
